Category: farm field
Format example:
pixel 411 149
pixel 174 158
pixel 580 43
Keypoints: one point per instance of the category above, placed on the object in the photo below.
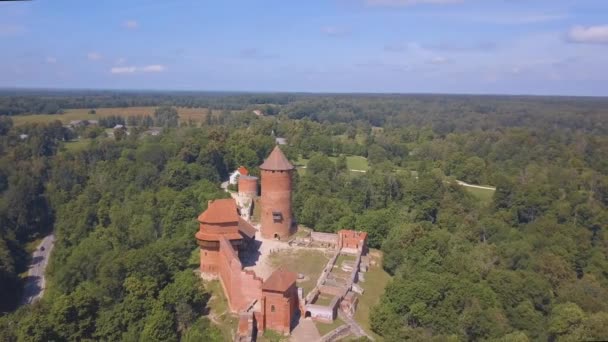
pixel 185 114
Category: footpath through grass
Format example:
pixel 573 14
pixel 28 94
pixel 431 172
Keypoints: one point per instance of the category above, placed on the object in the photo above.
pixel 325 328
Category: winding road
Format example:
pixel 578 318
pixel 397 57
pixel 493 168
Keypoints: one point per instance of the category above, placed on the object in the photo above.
pixel 35 282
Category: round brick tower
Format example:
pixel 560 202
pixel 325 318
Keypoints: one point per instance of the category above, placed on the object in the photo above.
pixel 277 218
pixel 248 186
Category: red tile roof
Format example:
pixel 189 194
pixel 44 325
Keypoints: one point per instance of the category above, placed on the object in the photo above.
pixel 276 161
pixel 280 280
pixel 243 171
pixel 220 211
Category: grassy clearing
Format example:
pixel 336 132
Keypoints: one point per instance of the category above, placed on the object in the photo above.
pixel 344 257
pixel 323 299
pixel 375 282
pixel 257 210
pixel 185 114
pixel 352 163
pixel 219 313
pixel 484 195
pixel 308 262
pixel 325 328
pixel 77 145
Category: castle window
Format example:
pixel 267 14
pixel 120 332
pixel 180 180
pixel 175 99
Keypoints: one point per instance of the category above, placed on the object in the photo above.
pixel 277 216
pixel 272 308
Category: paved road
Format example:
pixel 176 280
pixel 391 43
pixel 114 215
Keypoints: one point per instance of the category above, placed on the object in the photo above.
pixel 35 282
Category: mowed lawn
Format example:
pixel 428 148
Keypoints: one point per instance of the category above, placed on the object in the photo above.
pixel 308 262
pixel 357 163
pixel 375 282
pixel 185 114
pixel 484 195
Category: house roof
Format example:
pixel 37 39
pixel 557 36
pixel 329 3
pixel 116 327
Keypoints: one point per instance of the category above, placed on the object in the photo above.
pixel 220 211
pixel 276 161
pixel 280 280
pixel 246 228
pixel 243 171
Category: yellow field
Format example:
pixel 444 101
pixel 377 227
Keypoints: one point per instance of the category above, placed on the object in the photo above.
pixel 196 114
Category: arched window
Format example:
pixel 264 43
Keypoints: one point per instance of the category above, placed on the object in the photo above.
pixel 272 308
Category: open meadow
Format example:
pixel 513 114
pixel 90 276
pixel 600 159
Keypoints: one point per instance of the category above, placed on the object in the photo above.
pixel 185 114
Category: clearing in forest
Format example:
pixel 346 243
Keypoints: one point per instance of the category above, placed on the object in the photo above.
pixel 185 114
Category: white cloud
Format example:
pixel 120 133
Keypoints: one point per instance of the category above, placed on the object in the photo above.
pixel 130 24
pixel 589 35
pixel 334 31
pixel 121 61
pixel 153 68
pixel 51 60
pixel 94 56
pixel 134 69
pixel 438 60
pixel 123 70
pixel 397 3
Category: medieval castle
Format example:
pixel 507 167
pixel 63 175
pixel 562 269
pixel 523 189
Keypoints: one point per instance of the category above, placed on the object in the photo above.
pixel 226 234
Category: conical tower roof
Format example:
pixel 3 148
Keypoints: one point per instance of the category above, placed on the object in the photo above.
pixel 276 161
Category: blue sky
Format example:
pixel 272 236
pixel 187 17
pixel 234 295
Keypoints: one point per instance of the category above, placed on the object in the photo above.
pixel 430 46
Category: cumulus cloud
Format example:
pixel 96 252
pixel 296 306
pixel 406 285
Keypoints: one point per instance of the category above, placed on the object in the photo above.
pixel 153 68
pixel 334 31
pixel 589 34
pixel 398 3
pixel 94 56
pixel 134 69
pixel 130 24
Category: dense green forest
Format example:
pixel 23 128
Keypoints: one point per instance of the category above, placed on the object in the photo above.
pixel 529 264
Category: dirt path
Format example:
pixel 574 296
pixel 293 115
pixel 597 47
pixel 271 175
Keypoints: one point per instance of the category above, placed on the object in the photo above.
pixel 475 186
pixel 35 281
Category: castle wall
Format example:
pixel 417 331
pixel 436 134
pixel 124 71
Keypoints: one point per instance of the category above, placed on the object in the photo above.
pixel 276 197
pixel 241 287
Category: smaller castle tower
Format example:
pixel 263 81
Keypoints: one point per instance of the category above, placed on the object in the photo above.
pixel 277 218
pixel 279 301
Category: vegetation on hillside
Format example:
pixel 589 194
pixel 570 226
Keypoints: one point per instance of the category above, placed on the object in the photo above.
pixel 529 263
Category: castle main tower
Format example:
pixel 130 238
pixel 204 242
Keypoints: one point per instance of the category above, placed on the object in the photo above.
pixel 277 218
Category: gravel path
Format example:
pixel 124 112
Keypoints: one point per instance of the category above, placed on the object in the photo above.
pixel 35 282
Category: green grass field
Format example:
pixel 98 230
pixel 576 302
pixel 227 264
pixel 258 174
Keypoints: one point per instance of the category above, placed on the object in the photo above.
pixel 308 262
pixel 352 162
pixel 323 299
pixel 375 282
pixel 484 195
pixel 219 313
pixel 77 145
pixel 325 328
pixel 196 114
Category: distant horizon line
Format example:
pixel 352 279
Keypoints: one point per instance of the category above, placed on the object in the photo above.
pixel 158 90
